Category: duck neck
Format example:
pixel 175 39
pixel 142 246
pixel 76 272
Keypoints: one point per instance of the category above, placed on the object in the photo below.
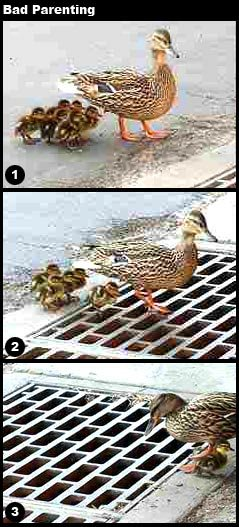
pixel 179 407
pixel 188 238
pixel 159 59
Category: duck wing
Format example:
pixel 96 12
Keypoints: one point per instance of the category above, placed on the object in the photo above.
pixel 134 250
pixel 219 402
pixel 117 79
pixel 114 93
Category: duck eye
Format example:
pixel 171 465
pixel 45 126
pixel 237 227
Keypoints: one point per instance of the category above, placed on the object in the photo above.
pixel 118 258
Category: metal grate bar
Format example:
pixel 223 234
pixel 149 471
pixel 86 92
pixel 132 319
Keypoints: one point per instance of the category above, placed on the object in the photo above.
pixel 85 451
pixel 226 179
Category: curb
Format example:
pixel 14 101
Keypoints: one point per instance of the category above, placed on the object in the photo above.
pixel 197 170
pixel 176 498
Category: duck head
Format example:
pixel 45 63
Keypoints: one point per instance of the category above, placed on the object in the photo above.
pixel 195 224
pixel 161 406
pixel 93 114
pixel 38 112
pixel 161 42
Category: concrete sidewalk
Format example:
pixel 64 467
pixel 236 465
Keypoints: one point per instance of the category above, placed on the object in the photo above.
pixel 188 378
pixel 192 171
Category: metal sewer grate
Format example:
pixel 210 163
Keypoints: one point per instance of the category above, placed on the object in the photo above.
pixel 226 179
pixel 74 456
pixel 201 325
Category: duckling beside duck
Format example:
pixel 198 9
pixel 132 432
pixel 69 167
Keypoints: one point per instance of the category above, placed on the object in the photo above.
pixel 102 295
pixel 40 279
pixel 208 418
pixel 30 124
pixel 75 129
pixel 53 287
pixel 130 94
pixel 53 116
pixel 74 279
pixel 214 462
pixel 158 267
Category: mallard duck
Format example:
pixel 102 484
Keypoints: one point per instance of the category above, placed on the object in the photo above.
pixel 210 417
pixel 101 295
pixel 160 267
pixel 29 124
pixel 213 462
pixel 76 128
pixel 132 95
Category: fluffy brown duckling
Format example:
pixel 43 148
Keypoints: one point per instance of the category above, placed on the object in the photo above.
pixel 76 128
pixel 53 296
pixel 92 118
pixel 74 279
pixel 29 124
pixel 214 461
pixel 102 295
pixel 53 116
pixel 40 280
pixel 67 131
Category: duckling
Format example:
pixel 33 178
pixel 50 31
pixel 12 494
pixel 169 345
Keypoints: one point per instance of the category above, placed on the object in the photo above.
pixel 102 295
pixel 74 279
pixel 53 116
pixel 30 123
pixel 92 118
pixel 213 462
pixel 76 128
pixel 67 130
pixel 40 280
pixel 80 276
pixel 53 296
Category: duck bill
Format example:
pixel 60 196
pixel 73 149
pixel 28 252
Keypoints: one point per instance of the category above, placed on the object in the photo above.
pixel 151 424
pixel 172 51
pixel 209 236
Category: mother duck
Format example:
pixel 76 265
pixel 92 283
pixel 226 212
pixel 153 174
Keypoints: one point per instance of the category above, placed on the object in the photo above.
pixel 133 95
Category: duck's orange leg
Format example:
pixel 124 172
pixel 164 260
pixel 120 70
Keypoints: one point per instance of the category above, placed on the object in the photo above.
pixel 205 453
pixel 125 134
pixel 153 134
pixel 149 302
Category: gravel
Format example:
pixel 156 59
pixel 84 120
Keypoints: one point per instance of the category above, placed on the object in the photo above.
pixel 219 507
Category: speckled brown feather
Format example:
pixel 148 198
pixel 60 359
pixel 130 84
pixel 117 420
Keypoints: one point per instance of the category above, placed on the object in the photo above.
pixel 210 417
pixel 137 96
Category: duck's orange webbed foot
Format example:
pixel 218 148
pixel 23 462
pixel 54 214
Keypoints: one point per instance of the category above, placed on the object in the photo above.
pixel 190 468
pixel 124 132
pixel 150 304
pixel 153 134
